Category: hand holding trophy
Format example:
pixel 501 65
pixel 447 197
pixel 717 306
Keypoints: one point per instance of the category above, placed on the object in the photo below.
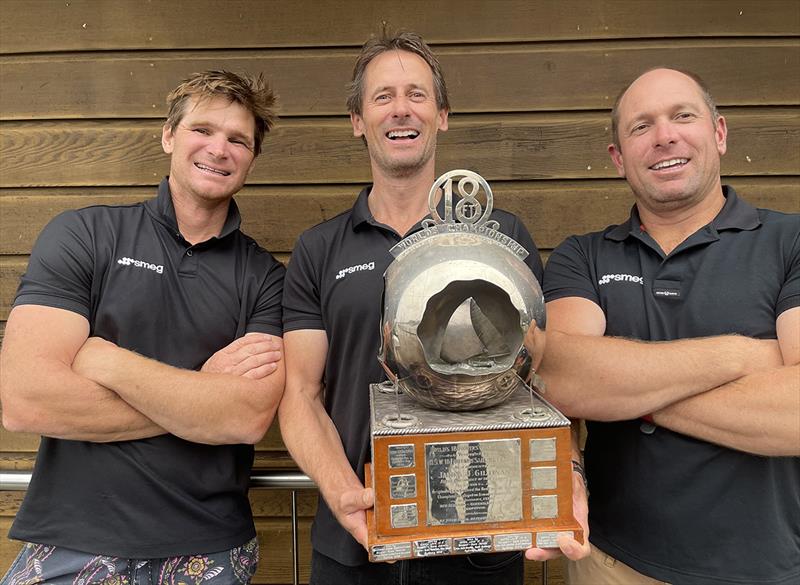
pixel 466 456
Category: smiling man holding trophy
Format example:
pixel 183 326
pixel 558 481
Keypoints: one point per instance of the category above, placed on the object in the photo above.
pixel 332 318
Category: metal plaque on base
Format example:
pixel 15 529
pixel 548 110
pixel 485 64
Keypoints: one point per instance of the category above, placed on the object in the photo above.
pixel 466 456
pixel 491 480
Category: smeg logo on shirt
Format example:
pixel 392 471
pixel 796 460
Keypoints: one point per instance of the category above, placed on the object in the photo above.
pixel 606 278
pixel 159 268
pixel 357 268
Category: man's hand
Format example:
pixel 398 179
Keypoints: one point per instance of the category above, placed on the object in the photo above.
pixel 350 512
pixel 568 546
pixel 255 356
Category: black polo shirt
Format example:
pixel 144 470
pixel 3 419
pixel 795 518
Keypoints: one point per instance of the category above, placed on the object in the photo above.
pixel 335 283
pixel 675 508
pixel 143 287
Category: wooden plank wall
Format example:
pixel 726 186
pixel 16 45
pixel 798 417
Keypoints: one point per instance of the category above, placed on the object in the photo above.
pixel 82 86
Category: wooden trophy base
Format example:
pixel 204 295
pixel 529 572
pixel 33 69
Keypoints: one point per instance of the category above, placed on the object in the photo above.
pixel 469 490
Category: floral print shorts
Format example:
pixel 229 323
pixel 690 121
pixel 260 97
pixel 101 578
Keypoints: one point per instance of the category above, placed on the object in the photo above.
pixel 40 563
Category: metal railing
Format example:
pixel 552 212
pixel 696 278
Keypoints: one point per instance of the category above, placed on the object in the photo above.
pixel 272 480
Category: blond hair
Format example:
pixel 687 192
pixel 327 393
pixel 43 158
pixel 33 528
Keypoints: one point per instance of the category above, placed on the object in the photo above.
pixel 251 92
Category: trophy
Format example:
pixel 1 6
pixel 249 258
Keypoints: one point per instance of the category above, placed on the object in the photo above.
pixel 466 456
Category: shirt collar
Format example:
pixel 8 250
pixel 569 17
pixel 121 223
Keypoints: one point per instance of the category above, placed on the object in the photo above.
pixel 163 210
pixel 361 212
pixel 362 215
pixel 735 214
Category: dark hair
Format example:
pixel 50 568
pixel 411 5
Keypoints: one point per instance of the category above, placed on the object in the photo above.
pixel 704 91
pixel 403 41
pixel 251 92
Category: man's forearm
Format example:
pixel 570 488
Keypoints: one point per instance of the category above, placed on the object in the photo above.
pixel 203 407
pixel 758 413
pixel 58 403
pixel 42 394
pixel 311 438
pixel 607 378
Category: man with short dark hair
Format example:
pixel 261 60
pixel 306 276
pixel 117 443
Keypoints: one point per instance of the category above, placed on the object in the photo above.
pixel 332 309
pixel 677 336
pixel 145 347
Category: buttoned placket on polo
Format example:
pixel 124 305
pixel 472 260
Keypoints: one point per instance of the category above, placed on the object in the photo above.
pixel 190 258
pixel 163 211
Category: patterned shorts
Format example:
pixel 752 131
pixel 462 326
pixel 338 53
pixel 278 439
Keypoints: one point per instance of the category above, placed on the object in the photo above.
pixel 41 563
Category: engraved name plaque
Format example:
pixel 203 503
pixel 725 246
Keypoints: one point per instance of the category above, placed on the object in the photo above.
pixel 433 547
pixel 403 486
pixel 401 456
pixel 472 544
pixel 404 515
pixel 391 552
pixel 513 541
pixel 470 482
pixel 466 456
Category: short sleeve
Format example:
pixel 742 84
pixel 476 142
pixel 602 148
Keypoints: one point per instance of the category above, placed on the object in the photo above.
pixel 568 273
pixel 302 307
pixel 60 268
pixel 267 315
pixel 789 296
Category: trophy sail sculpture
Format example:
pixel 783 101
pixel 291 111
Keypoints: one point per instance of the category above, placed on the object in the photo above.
pixel 466 457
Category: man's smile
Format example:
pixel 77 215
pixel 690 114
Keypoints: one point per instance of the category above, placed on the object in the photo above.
pixel 672 163
pixel 406 134
pixel 213 170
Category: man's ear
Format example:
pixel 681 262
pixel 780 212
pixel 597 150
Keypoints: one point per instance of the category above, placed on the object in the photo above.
pixel 443 123
pixel 358 124
pixel 167 138
pixel 616 158
pixel 721 135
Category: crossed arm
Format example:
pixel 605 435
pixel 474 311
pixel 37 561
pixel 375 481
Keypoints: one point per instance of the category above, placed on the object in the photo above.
pixel 698 387
pixel 311 437
pixel 758 413
pixel 57 382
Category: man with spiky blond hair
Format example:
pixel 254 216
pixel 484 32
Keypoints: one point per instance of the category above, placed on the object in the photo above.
pixel 145 347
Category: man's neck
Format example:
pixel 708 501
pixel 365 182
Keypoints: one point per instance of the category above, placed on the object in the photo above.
pixel 670 228
pixel 198 222
pixel 400 202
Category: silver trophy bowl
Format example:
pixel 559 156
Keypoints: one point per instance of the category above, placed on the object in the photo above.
pixel 458 299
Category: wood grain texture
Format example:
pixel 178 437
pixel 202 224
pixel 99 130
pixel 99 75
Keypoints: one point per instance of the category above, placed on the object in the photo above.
pixel 504 78
pixel 58 25
pixel 762 141
pixel 276 215
pixel 17 461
